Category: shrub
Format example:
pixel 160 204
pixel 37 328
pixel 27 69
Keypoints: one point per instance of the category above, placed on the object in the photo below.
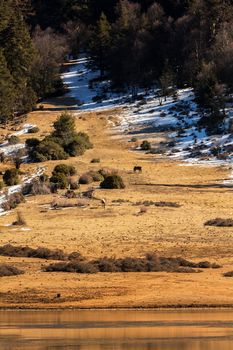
pixel 33 130
pixel 96 176
pixel 33 142
pixel 95 160
pixel 218 222
pixel 85 179
pixel 134 139
pixel 60 180
pixel 146 146
pixel 75 256
pixel 113 182
pixel 73 184
pixel 49 150
pixel 78 144
pixel 228 274
pixel 107 265
pixel 73 266
pixel 105 172
pixel 13 201
pixel 8 270
pixel 149 263
pixel 67 170
pixel 61 144
pixel 85 140
pixel 36 187
pixel 44 178
pixel 13 140
pixel 75 149
pixel 27 252
pixel 11 177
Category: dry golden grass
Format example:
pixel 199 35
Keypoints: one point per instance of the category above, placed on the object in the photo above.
pixel 121 230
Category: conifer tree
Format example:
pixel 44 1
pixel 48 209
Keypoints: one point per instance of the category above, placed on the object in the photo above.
pixel 6 90
pixel 100 44
pixel 20 54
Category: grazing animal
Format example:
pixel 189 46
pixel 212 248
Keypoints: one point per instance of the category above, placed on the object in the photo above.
pixel 137 169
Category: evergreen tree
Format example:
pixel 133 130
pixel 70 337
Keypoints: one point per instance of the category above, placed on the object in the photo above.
pixel 20 55
pixel 100 44
pixel 6 90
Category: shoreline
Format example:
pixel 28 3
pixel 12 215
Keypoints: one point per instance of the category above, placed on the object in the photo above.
pixel 152 308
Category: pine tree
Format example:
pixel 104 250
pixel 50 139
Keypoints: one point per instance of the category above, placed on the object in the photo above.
pixel 6 90
pixel 100 44
pixel 20 54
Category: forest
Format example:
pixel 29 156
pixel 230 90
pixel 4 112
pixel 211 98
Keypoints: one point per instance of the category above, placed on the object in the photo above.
pixel 135 44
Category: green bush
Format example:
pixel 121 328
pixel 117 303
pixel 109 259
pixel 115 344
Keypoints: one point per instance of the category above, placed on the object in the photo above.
pixel 112 182
pixel 85 140
pixel 60 180
pixel 11 177
pixel 48 150
pixel 33 130
pixel 33 142
pixel 13 140
pixel 96 176
pixel 61 144
pixel 67 170
pixel 145 146
pixel 75 149
pixel 85 179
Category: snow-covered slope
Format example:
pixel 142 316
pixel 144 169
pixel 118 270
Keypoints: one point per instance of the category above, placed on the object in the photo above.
pixel 178 116
pixel 7 149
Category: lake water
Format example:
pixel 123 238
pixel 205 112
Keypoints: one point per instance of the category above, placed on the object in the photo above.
pixel 117 330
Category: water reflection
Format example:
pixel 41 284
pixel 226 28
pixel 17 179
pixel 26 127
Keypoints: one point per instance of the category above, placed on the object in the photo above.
pixel 117 330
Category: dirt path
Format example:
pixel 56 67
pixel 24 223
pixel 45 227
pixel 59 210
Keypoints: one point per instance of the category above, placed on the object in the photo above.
pixel 120 230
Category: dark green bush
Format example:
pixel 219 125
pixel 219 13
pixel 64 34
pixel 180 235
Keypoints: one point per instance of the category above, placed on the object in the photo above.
pixel 33 142
pixel 67 170
pixel 113 182
pixel 33 130
pixel 11 177
pixel 13 140
pixel 48 150
pixel 145 146
pixel 60 180
pixel 85 179
pixel 75 149
pixel 61 144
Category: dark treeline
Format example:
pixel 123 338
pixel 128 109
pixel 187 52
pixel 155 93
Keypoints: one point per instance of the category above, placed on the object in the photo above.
pixel 138 43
